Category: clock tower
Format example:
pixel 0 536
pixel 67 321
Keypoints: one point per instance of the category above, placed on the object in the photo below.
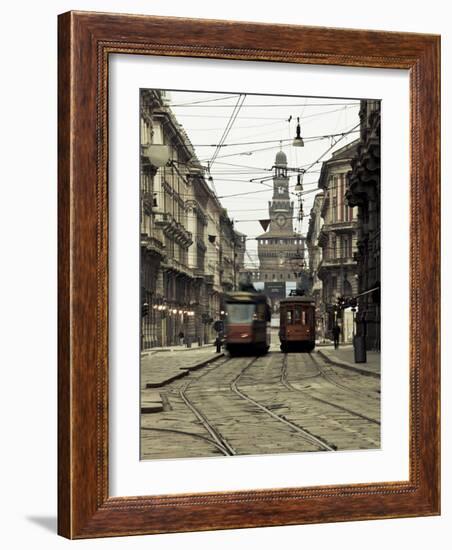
pixel 280 243
pixel 281 207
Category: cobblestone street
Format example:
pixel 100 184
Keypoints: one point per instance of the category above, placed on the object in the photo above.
pixel 278 403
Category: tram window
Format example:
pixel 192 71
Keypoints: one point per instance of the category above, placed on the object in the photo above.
pixel 303 317
pixel 296 316
pixel 289 317
pixel 240 313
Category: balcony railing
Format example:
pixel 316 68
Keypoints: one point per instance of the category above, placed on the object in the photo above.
pixel 339 226
pixel 336 262
pixel 171 264
pixel 152 244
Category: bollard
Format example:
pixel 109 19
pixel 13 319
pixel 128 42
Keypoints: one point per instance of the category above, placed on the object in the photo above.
pixel 359 347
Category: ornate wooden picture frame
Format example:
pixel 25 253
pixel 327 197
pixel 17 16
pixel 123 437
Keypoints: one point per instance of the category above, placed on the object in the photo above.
pixel 86 41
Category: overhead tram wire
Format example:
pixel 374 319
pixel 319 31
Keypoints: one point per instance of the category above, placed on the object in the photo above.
pixel 307 139
pixel 275 105
pixel 255 192
pixel 240 118
pixel 261 180
pixel 277 122
pixel 204 101
pixel 267 124
pixel 229 125
pixel 342 136
pixel 352 130
pixel 272 147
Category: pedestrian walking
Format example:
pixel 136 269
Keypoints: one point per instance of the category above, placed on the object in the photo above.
pixel 218 343
pixel 181 338
pixel 336 334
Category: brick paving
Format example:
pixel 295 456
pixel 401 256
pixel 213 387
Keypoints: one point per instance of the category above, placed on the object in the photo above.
pixel 254 404
pixel 344 356
pixel 163 365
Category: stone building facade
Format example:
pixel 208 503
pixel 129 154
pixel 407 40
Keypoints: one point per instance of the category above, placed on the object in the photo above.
pixel 337 238
pixel 280 243
pixel 364 194
pixel 315 258
pixel 183 245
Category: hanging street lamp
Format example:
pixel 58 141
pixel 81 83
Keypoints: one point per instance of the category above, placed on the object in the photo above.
pixel 299 187
pixel 298 140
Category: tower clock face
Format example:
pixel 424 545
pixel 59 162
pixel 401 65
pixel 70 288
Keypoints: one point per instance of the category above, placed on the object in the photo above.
pixel 281 220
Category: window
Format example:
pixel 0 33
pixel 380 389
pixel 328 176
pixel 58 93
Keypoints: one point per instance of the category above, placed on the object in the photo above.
pixel 240 313
pixel 345 247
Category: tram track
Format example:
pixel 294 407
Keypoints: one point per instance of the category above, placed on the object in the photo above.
pixel 323 372
pixel 221 443
pixel 307 436
pixel 216 437
pixel 187 433
pixel 236 409
pixel 291 387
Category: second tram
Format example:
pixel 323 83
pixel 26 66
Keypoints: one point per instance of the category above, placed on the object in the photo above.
pixel 297 324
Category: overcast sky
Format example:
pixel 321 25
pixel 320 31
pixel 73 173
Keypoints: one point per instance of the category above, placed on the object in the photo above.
pixel 261 127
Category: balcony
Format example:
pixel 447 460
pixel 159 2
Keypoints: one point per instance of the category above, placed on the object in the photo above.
pixel 171 264
pixel 334 264
pixel 152 244
pixel 342 226
pixel 173 229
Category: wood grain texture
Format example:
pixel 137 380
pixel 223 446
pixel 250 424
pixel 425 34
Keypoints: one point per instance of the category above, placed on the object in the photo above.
pixel 85 42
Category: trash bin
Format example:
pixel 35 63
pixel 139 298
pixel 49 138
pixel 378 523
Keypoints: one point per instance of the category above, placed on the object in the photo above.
pixel 359 346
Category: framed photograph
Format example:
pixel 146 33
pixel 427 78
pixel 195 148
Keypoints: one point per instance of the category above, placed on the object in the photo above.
pixel 248 275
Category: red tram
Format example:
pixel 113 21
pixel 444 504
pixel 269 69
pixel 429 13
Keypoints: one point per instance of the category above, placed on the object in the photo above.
pixel 247 324
pixel 297 324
